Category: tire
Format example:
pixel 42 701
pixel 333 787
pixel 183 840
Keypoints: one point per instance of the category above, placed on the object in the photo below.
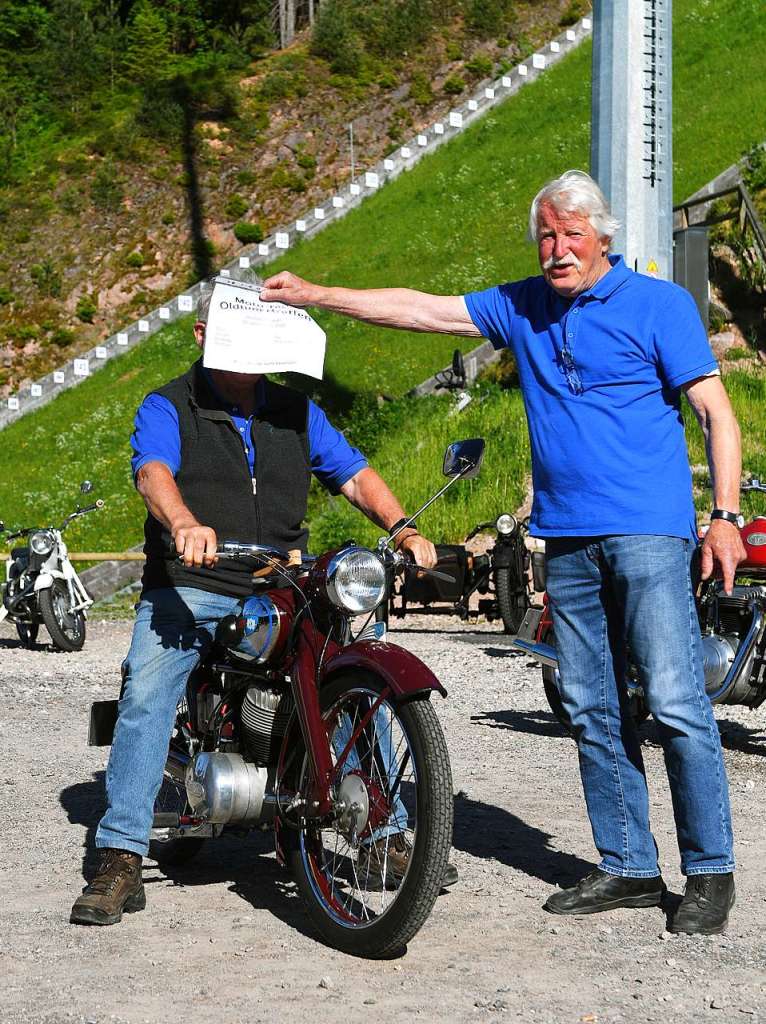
pixel 512 597
pixel 638 709
pixel 67 629
pixel 349 911
pixel 28 632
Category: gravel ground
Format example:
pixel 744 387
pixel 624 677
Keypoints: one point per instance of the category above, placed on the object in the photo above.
pixel 228 941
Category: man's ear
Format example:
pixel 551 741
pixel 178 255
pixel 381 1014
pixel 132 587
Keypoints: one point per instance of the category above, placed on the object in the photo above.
pixel 199 333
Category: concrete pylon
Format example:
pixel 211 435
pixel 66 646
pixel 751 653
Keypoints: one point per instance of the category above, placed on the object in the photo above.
pixel 631 125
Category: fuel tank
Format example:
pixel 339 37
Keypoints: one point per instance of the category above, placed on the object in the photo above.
pixel 754 538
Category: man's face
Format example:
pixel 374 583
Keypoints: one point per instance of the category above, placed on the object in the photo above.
pixel 572 256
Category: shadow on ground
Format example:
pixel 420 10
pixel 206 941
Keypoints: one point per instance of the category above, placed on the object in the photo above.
pixel 536 723
pixel 493 833
pixel 245 865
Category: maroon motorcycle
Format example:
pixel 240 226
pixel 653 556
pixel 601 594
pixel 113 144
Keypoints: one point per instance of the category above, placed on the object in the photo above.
pixel 733 628
pixel 294 721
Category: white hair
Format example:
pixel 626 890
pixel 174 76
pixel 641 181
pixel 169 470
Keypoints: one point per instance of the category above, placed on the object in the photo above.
pixel 575 192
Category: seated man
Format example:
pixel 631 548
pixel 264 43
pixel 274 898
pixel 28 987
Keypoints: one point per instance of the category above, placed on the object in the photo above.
pixel 216 454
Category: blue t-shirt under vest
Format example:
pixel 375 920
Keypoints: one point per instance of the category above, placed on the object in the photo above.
pixel 601 376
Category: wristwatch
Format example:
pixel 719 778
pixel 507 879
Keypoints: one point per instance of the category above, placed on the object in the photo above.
pixel 736 518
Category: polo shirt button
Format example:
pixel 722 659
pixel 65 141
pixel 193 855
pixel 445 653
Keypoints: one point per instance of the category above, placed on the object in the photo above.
pixel 570 335
pixel 242 429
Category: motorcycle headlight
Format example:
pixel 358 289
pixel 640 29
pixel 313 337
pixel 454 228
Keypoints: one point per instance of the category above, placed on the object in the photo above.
pixel 506 524
pixel 356 580
pixel 42 543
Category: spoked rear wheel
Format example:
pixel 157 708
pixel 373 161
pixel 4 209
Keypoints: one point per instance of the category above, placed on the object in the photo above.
pixel 370 877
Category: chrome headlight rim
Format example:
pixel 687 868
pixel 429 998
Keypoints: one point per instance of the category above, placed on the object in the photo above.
pixel 506 524
pixel 338 590
pixel 41 543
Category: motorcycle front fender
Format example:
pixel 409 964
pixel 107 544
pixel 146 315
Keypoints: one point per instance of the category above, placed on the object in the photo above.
pixel 405 674
pixel 45 579
pixel 504 554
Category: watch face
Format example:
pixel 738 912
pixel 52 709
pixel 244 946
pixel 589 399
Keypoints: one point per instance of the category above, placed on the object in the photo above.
pixel 740 521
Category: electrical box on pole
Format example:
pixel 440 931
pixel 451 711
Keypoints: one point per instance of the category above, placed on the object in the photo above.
pixel 631 140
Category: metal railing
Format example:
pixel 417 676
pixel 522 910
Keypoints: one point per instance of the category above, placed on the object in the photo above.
pixel 745 212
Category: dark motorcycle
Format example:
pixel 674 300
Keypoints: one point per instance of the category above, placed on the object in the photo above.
pixel 293 722
pixel 500 576
pixel 733 628
pixel 42 585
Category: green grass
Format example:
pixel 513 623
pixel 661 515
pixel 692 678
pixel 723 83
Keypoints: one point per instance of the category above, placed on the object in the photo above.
pixel 456 222
pixel 411 460
pixel 85 434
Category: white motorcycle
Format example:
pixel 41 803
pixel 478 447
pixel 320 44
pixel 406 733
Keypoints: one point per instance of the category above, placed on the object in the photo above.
pixel 42 586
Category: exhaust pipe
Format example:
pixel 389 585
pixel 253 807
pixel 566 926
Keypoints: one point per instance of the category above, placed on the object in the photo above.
pixel 543 653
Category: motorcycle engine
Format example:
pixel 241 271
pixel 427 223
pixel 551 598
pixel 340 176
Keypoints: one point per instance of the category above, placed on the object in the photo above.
pixel 264 714
pixel 732 623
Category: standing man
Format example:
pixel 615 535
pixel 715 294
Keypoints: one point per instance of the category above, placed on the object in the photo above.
pixel 603 355
pixel 216 454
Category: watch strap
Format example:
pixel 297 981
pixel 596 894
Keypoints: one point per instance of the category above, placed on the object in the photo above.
pixel 731 517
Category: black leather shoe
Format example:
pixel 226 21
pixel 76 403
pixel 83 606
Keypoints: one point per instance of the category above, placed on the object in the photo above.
pixel 602 891
pixel 704 910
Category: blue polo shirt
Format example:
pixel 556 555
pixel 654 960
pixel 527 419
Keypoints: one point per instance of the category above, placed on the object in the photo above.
pixel 600 376
pixel 156 438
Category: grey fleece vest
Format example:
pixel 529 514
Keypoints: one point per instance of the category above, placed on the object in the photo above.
pixel 215 483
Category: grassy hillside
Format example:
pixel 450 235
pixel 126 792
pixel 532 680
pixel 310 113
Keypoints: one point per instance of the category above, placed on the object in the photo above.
pixel 454 223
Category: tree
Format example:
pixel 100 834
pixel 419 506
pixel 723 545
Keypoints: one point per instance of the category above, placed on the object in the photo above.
pixel 147 56
pixel 71 59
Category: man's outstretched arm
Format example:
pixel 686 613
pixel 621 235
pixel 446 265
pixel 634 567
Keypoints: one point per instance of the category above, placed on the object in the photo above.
pixel 388 307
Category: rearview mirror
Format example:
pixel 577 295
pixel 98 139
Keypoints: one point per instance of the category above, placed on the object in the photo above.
pixel 464 458
pixel 458 367
pixel 86 487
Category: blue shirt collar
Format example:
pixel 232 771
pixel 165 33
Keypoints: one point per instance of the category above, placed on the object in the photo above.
pixel 610 282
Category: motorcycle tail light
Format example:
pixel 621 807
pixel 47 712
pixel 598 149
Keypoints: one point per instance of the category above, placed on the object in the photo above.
pixel 356 580
pixel 505 524
pixel 42 542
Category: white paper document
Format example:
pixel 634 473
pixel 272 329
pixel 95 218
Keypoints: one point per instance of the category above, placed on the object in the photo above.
pixel 245 335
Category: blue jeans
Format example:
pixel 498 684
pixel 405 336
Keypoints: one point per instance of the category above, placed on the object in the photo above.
pixel 174 628
pixel 606 592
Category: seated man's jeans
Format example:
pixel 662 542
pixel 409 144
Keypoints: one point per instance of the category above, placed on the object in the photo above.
pixel 174 628
pixel 606 592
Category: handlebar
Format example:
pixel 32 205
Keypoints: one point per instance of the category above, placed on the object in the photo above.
pixel 98 504
pixel 754 483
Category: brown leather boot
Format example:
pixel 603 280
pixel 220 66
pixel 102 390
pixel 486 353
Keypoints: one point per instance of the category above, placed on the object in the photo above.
pixel 117 887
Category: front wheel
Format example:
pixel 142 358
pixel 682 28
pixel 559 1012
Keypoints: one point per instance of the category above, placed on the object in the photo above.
pixel 28 632
pixel 371 876
pixel 66 627
pixel 512 597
